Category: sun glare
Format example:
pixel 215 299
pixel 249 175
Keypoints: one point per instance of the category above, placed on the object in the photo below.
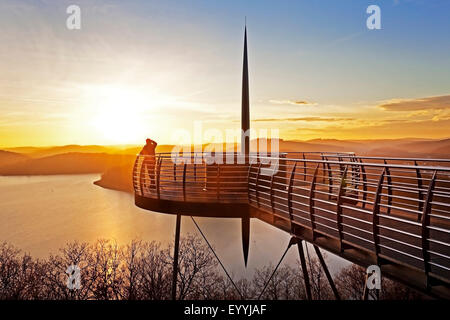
pixel 120 115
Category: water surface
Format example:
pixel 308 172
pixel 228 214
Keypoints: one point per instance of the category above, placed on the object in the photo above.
pixel 40 214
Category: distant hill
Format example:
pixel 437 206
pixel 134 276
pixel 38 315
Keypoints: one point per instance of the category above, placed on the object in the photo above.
pixel 7 157
pixel 411 147
pixel 23 150
pixel 67 163
pixel 39 152
pixel 436 148
pixel 115 163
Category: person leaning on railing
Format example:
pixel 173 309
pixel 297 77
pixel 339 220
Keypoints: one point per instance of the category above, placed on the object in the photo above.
pixel 149 161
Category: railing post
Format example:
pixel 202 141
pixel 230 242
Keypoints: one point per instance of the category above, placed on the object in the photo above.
pixel 175 168
pixel 257 182
pixel 419 190
pixel 375 214
pixel 311 201
pixel 218 182
pixel 339 208
pixel 248 179
pixel 341 166
pixel 135 180
pixel 195 169
pixel 158 176
pixel 304 166
pixel 364 182
pixel 184 181
pixel 291 183
pixel 389 182
pixel 425 225
pixel 141 173
pixel 205 177
pixel 323 167
pixel 272 204
pixel 330 179
pixel 354 169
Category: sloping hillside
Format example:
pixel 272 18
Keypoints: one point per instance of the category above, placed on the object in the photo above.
pixel 117 178
pixel 437 147
pixel 7 157
pixel 39 152
pixel 68 163
pixel 116 165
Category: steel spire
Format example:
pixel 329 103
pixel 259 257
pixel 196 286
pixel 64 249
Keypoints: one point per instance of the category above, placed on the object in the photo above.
pixel 245 141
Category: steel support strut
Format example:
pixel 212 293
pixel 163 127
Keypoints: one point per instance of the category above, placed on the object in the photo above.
pixel 299 244
pixel 291 242
pixel 305 271
pixel 327 272
pixel 176 250
pixel 306 274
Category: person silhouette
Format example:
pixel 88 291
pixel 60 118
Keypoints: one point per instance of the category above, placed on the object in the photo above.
pixel 149 148
pixel 149 160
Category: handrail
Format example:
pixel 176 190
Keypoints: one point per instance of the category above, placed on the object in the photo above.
pixel 351 155
pixel 343 163
pixel 340 154
pixel 379 165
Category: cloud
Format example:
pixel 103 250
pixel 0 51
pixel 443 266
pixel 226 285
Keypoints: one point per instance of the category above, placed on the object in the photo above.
pixel 436 103
pixel 293 102
pixel 345 38
pixel 379 130
pixel 307 119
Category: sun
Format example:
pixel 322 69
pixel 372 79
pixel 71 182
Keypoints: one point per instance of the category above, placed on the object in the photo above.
pixel 119 115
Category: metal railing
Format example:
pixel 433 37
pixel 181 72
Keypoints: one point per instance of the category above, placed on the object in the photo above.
pixel 192 177
pixel 395 208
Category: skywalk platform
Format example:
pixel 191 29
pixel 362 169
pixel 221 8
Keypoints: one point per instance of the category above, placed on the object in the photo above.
pixel 393 212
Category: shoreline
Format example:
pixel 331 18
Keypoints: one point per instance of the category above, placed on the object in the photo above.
pixel 102 184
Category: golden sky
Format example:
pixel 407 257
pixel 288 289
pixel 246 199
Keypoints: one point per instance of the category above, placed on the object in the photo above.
pixel 142 69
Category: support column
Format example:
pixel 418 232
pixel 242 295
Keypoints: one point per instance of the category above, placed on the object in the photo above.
pixel 176 250
pixel 305 271
pixel 245 232
pixel 245 141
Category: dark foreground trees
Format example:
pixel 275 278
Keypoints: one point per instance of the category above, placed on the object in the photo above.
pixel 143 271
